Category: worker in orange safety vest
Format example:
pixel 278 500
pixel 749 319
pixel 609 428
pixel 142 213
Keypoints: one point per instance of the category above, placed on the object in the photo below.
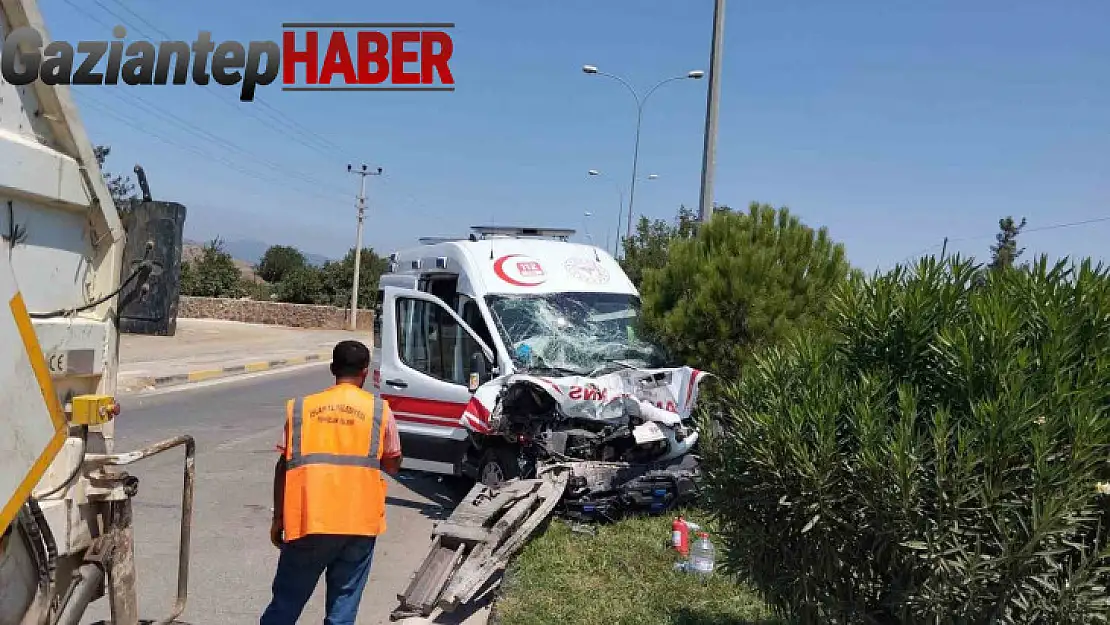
pixel 329 491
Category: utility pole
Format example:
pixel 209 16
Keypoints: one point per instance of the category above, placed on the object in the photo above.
pixel 364 172
pixel 709 155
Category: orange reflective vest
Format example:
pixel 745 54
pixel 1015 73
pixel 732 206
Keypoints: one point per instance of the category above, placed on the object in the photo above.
pixel 333 450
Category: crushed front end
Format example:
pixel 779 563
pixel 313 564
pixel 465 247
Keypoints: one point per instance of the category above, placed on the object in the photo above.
pixel 627 437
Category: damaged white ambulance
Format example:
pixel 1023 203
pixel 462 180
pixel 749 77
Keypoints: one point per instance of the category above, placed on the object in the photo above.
pixel 515 347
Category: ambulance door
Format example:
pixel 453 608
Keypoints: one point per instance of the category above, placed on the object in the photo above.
pixel 426 384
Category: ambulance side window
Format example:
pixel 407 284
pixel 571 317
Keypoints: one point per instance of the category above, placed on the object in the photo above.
pixel 427 337
pixel 473 318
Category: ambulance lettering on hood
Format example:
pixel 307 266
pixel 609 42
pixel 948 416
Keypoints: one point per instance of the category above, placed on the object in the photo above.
pixel 582 397
pixel 520 270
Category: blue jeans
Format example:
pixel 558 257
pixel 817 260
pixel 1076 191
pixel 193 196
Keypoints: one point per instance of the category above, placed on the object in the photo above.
pixel 347 562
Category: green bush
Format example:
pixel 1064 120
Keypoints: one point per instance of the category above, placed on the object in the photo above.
pixel 938 457
pixel 300 286
pixel 256 290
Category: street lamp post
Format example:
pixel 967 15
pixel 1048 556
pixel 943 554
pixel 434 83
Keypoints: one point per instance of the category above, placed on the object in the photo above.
pixel 591 69
pixel 620 208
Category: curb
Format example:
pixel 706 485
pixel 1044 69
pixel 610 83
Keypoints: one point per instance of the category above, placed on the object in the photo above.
pixel 148 383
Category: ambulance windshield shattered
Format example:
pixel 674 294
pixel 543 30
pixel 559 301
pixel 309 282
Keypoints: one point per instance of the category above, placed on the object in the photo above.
pixel 585 334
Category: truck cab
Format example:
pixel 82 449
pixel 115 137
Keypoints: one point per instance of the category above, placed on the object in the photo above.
pixel 453 314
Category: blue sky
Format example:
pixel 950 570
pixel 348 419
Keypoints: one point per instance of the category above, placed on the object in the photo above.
pixel 894 124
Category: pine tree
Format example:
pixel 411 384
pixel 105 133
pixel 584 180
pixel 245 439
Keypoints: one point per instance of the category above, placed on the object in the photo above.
pixel 1005 252
pixel 742 281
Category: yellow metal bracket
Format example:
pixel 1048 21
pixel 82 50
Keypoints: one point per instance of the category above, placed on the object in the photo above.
pixel 93 409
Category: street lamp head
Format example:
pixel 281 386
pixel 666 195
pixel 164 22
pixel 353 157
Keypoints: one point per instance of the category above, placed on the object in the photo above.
pixel 696 74
pixel 379 170
pixel 652 176
pixel 364 167
pixel 594 172
pixel 589 69
pixel 348 167
pixel 587 214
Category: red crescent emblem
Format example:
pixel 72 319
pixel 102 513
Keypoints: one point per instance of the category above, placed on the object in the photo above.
pixel 499 269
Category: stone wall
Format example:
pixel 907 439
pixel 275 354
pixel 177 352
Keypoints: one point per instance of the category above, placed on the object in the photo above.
pixel 273 313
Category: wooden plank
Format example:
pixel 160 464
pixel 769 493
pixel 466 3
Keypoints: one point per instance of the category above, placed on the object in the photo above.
pixel 470 567
pixel 437 579
pixel 426 585
pixel 511 532
pixel 466 533
pixel 415 578
pixel 483 504
pixel 489 526
pixel 549 496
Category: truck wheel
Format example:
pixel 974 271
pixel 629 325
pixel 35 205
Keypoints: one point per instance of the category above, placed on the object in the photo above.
pixel 499 464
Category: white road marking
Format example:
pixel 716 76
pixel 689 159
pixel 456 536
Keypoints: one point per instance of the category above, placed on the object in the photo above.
pixel 272 433
pixel 192 386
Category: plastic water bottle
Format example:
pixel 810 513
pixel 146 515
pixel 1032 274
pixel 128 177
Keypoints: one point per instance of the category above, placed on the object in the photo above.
pixel 702 556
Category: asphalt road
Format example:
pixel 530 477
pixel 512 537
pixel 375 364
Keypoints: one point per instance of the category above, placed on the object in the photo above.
pixel 236 426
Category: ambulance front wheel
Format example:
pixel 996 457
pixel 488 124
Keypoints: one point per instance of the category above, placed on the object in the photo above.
pixel 499 464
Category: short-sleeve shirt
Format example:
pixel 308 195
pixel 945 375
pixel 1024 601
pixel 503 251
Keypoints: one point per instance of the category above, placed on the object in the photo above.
pixel 392 438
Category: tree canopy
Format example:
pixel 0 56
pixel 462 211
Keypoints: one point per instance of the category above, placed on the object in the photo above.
pixel 301 285
pixel 214 274
pixel 742 281
pixel 337 277
pixel 1005 252
pixel 278 261
pixel 647 248
pixel 119 187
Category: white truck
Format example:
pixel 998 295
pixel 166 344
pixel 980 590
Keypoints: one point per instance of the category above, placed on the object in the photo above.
pixel 66 274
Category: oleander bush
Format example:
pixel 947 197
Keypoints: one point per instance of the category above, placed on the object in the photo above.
pixel 938 456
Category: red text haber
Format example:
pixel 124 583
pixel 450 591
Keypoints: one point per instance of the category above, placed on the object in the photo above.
pixel 376 57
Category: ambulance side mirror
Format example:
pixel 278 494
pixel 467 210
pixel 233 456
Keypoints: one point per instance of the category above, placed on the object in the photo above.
pixel 479 371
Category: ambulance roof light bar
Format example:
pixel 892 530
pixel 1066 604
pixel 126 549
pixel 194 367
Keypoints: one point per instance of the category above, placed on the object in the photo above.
pixel 486 232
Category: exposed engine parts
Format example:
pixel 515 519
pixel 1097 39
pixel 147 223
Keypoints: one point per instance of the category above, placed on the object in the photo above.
pixel 626 454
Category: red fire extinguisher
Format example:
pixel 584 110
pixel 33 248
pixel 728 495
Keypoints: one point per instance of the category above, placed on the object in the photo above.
pixel 680 535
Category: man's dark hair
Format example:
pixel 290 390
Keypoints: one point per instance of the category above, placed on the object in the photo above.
pixel 349 358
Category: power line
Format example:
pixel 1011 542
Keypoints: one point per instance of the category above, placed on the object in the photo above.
pixel 87 14
pixel 108 110
pixel 331 149
pixel 137 102
pixel 116 15
pixel 1069 224
pixel 141 18
pixel 266 115
pixel 283 130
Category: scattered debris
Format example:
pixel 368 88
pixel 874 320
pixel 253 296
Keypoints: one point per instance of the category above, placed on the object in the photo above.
pixel 582 528
pixel 486 529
